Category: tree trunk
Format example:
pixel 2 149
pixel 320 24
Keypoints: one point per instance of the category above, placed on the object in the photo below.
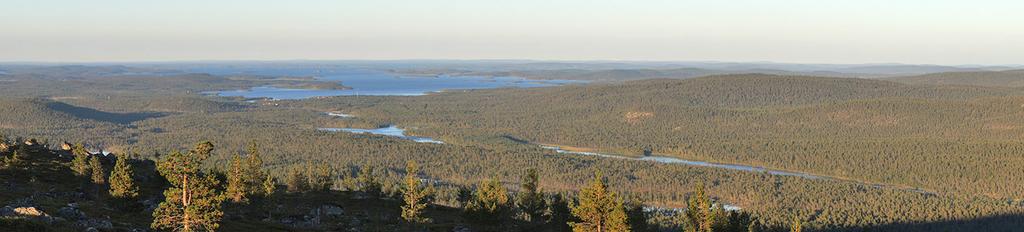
pixel 184 204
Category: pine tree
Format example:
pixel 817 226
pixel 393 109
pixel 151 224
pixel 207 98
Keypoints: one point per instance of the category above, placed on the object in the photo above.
pixel 599 210
pixel 237 190
pixel 98 174
pixel 269 186
pixel 558 214
pixel 16 158
pixel 698 212
pixel 296 180
pixel 269 202
pixel 320 177
pixel 80 165
pixel 348 181
pixel 414 195
pixel 122 183
pixel 191 203
pixel 367 182
pixel 636 216
pixel 531 200
pixel 255 171
pixel 719 218
pixel 490 204
pixel 753 226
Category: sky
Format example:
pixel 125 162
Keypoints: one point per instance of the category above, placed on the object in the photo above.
pixel 985 32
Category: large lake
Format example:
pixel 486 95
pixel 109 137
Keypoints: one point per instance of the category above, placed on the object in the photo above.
pixel 371 82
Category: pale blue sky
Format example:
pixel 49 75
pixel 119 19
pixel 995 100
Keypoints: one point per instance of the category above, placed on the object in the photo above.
pixel 862 31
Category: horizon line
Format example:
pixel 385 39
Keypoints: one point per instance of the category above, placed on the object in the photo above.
pixel 511 60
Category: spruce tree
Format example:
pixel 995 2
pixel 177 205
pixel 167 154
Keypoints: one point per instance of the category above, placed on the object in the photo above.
pixel 237 190
pixel 530 199
pixel 122 183
pixel 414 195
pixel 80 165
pixel 191 203
pixel 599 210
pixel 98 174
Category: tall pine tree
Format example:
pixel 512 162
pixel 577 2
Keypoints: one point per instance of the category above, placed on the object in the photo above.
pixel 414 195
pixel 80 165
pixel 98 174
pixel 237 190
pixel 255 171
pixel 599 210
pixel 698 212
pixel 191 203
pixel 122 183
pixel 530 199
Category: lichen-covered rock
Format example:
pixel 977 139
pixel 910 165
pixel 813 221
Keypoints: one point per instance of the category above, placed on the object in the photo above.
pixel 7 211
pixel 30 212
pixel 95 223
pixel 70 212
pixel 26 212
pixel 332 210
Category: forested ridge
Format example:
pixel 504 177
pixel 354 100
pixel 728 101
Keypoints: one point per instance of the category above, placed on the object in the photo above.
pixel 1008 78
pixel 957 141
pixel 951 139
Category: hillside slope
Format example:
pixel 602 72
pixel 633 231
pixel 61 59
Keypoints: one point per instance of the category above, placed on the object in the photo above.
pixel 1010 78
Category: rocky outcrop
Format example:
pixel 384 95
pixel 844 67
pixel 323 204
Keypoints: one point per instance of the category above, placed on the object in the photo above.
pixel 28 212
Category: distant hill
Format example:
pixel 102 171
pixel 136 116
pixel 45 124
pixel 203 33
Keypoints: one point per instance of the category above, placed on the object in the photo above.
pixel 758 90
pixel 64 122
pixel 45 113
pixel 84 71
pixel 619 74
pixel 1010 78
pixel 607 75
pixel 903 69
